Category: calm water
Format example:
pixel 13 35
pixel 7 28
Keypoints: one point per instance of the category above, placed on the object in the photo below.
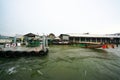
pixel 64 63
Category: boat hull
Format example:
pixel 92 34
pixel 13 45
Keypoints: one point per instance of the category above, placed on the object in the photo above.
pixel 89 45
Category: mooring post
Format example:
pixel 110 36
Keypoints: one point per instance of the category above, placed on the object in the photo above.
pixel 44 43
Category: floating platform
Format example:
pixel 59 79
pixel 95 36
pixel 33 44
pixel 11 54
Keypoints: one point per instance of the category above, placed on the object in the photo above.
pixel 22 52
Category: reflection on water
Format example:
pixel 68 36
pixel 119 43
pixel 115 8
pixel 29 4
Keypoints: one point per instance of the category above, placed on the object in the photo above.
pixel 66 63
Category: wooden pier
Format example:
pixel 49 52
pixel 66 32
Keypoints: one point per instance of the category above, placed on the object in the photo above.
pixel 91 40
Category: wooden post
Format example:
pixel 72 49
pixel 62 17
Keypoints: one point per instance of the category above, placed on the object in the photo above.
pixel 74 39
pixel 90 39
pixel 85 39
pixel 79 39
pixel 100 39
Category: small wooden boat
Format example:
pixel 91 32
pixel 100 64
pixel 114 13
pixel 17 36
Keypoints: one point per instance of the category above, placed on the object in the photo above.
pixel 90 45
pixel 93 45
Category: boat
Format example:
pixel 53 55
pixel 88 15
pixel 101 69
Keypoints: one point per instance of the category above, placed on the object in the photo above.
pixel 90 45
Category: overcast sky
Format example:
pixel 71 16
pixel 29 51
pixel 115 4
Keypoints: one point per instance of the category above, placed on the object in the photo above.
pixel 59 16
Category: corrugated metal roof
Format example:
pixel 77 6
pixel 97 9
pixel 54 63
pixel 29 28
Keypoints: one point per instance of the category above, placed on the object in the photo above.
pixel 93 35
